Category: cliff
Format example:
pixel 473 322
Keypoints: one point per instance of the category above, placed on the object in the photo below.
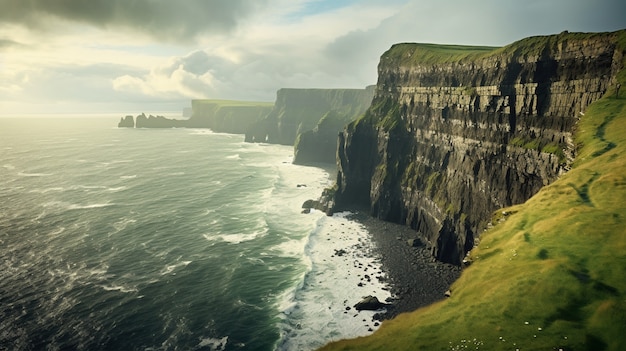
pixel 297 111
pixel 158 122
pixel 548 273
pixel 223 116
pixel 226 116
pixel 455 132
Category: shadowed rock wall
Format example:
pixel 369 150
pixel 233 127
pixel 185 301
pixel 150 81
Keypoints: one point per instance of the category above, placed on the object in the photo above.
pixel 297 111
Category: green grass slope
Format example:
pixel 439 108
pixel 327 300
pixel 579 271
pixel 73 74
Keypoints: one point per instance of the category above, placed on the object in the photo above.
pixel 551 274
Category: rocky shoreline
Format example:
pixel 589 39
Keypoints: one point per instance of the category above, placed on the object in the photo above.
pixel 414 277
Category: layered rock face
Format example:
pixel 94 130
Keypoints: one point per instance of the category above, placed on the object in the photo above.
pixel 300 110
pixel 455 133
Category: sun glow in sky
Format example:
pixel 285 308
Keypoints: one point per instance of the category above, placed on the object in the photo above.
pixel 92 56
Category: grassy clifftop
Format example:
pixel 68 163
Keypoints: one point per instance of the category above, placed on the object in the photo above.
pixel 550 274
pixel 408 54
pixel 414 53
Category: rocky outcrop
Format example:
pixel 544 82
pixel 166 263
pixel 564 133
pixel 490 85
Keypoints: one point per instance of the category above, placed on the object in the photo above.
pixel 297 111
pixel 455 133
pixel 143 121
pixel 126 122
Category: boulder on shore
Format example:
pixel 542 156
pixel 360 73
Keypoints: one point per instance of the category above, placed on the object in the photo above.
pixel 369 303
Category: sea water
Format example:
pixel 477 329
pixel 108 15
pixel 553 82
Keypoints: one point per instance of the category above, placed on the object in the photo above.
pixel 170 239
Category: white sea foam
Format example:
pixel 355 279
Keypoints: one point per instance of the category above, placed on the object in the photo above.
pixel 214 344
pixel 201 132
pixel 25 174
pixel 129 176
pixel 342 272
pixel 116 189
pixel 89 206
pixel 171 267
pixel 235 238
pixel 8 166
pixel 234 157
pixel 123 223
pixel 119 288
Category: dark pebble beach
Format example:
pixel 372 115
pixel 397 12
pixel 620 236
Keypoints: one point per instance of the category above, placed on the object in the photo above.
pixel 414 277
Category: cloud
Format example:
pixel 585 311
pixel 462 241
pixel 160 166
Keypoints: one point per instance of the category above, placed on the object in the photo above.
pixel 163 19
pixel 8 43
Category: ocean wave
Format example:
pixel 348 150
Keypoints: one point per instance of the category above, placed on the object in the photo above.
pixel 119 288
pixel 171 267
pixel 201 132
pixel 236 238
pixel 46 190
pixel 123 223
pixel 87 207
pixel 25 174
pixel 57 231
pixel 129 176
pixel 214 344
pixel 116 189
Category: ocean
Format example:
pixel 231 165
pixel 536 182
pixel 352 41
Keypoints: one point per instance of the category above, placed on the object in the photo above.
pixel 170 239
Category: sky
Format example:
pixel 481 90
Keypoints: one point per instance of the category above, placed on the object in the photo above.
pixel 122 56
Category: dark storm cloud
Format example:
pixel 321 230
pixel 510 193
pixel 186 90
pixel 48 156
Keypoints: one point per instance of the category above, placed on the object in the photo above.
pixel 164 19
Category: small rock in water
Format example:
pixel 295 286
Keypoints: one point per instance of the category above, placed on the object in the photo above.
pixel 340 252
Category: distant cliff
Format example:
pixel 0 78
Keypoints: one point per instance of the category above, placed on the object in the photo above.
pixel 299 111
pixel 223 116
pixel 457 132
pixel 227 116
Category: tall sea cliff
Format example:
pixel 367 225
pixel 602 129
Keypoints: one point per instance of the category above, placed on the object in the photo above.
pixel 310 119
pixel 456 132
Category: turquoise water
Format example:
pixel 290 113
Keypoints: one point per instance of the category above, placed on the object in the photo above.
pixel 174 239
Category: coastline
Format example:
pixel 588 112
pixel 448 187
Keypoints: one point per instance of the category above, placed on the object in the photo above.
pixel 415 278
